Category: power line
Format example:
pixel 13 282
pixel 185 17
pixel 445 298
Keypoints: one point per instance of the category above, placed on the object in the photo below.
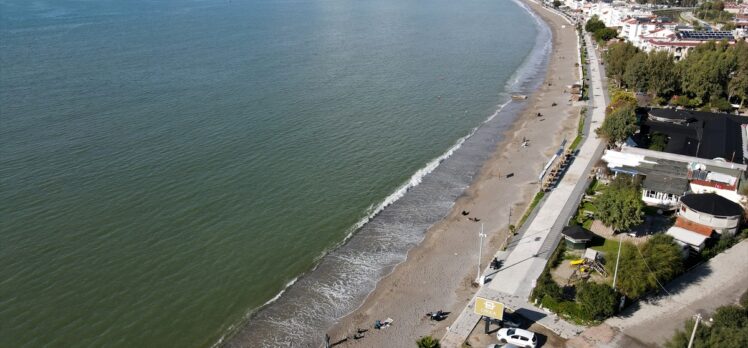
pixel 658 281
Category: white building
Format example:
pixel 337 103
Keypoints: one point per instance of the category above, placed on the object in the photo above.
pixel 613 15
pixel 635 30
pixel 681 42
pixel 736 8
pixel 712 210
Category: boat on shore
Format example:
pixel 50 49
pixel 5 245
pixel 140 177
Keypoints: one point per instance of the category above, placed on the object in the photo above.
pixel 519 96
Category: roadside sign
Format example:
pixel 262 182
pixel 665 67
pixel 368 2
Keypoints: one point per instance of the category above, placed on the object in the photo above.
pixel 489 308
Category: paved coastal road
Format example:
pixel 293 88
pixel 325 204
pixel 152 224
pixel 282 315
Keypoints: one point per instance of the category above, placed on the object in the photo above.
pixel 718 282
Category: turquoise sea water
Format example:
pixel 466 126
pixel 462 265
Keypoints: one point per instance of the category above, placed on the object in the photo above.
pixel 167 166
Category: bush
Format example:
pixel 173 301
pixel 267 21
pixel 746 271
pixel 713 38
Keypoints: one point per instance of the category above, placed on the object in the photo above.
pixel 546 285
pixel 657 142
pixel 428 342
pixel 744 300
pixel 721 104
pixel 724 243
pixel 621 98
pixel 685 101
pixel 567 309
pixel 597 301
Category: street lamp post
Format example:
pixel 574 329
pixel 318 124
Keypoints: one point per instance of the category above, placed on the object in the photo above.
pixel 618 258
pixel 481 235
pixel 693 333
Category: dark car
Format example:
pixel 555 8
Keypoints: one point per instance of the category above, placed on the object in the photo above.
pixel 512 321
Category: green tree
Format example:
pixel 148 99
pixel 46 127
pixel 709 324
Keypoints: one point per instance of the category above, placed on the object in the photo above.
pixel 617 57
pixel 619 125
pixel 680 338
pixel 738 85
pixel 657 142
pixel 621 98
pixel 605 34
pixel 556 3
pixel 641 269
pixel 620 205
pixel 636 75
pixel 428 342
pixel 705 72
pixel 663 256
pixel 661 73
pixel 728 329
pixel 633 276
pixel 597 300
pixel 594 24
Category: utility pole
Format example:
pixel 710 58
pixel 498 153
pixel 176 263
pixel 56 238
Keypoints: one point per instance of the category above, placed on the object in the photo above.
pixel 693 333
pixel 480 251
pixel 618 258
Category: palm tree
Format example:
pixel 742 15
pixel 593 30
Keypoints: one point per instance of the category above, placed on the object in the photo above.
pixel 428 342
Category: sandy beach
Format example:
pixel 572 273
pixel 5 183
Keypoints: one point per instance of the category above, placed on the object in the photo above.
pixel 438 273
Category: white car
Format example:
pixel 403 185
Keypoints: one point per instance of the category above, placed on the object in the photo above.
pixel 508 345
pixel 519 337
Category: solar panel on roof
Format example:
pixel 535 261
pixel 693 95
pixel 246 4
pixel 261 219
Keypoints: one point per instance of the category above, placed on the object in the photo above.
pixel 707 35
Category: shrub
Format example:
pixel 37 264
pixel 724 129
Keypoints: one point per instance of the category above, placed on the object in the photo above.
pixel 721 104
pixel 597 301
pixel 659 101
pixel 658 142
pixel 428 342
pixel 547 287
pixel 724 243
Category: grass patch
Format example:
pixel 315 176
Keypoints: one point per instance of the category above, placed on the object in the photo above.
pixel 533 204
pixel 587 224
pixel 607 246
pixel 580 129
pixel 589 207
pixel 575 143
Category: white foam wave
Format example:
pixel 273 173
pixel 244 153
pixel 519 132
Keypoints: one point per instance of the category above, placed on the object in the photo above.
pixel 541 49
pixel 372 212
pixel 233 327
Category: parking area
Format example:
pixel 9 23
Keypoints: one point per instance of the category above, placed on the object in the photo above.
pixel 546 338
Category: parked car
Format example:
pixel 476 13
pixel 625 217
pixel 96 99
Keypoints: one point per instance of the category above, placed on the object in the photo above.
pixel 512 321
pixel 508 345
pixel 519 337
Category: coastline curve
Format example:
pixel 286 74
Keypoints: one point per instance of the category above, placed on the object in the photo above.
pixel 389 249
